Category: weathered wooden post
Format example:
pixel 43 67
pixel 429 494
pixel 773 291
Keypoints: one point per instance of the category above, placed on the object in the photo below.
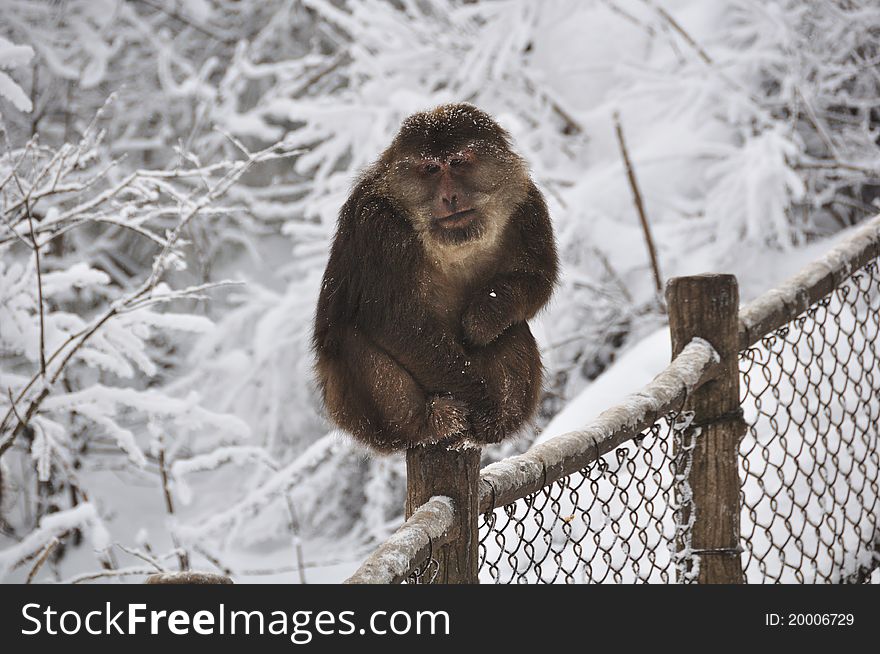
pixel 707 306
pixel 435 470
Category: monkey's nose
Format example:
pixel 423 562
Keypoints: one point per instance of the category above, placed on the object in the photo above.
pixel 450 201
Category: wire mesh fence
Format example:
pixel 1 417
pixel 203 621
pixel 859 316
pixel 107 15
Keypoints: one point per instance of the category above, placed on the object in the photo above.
pixel 810 462
pixel 615 520
pixel 425 573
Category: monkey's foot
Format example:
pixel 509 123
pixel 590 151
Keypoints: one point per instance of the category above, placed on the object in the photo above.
pixel 488 429
pixel 447 418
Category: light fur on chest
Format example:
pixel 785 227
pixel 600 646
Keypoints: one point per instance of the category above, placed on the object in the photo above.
pixel 452 272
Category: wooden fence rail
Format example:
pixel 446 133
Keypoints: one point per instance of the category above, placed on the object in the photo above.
pixel 447 492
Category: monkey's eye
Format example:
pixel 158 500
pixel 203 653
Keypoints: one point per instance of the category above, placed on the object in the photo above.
pixel 457 162
pixel 429 168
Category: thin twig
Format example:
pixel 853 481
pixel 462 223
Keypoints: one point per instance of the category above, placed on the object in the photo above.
pixel 320 74
pixel 182 556
pixel 143 556
pixel 32 555
pixel 123 572
pixel 702 54
pixel 289 568
pixel 606 264
pixel 35 404
pixel 681 31
pixel 629 17
pixel 640 207
pixel 213 560
pixel 44 554
pixel 297 541
pixel 36 246
pixel 33 380
pixel 12 406
pixel 189 22
pixel 817 124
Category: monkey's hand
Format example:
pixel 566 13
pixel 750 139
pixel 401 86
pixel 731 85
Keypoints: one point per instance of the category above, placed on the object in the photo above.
pixel 448 418
pixel 486 317
pixel 509 298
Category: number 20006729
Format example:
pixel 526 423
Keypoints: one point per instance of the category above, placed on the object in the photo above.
pixel 809 619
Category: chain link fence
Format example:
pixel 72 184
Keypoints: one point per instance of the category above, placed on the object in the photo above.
pixel 810 462
pixel 614 520
pixel 612 504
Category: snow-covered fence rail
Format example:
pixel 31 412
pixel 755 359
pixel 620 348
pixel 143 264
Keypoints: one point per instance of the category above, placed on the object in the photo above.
pixel 815 283
pixel 429 527
pixel 753 456
pixel 810 385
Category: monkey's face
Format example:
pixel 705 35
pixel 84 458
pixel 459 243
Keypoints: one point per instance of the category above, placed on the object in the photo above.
pixel 458 195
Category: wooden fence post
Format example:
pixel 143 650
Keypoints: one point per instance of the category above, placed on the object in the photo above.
pixel 707 306
pixel 435 470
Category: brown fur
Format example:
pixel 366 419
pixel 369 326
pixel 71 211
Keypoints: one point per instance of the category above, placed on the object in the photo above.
pixel 421 332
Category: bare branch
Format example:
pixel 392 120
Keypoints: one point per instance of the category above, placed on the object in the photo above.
pixel 41 559
pixel 213 560
pixel 189 22
pixel 104 574
pixel 674 24
pixel 142 556
pixel 36 247
pixel 297 542
pixel 182 556
pixel 640 206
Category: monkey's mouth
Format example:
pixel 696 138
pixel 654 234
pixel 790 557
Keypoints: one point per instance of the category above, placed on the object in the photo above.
pixel 457 220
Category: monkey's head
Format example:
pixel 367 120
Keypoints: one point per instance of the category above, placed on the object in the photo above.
pixel 452 172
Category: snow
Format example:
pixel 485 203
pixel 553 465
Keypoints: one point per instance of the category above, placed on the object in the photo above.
pixel 740 167
pixel 634 369
pixel 14 56
pixel 79 275
pixel 12 91
pixel 83 516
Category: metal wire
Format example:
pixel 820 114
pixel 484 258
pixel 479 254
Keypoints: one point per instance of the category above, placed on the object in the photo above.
pixel 426 573
pixel 810 463
pixel 612 521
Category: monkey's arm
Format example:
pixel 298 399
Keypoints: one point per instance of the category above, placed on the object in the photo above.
pixel 517 292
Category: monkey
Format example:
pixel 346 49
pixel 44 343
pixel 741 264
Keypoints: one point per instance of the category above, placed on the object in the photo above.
pixel 443 251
